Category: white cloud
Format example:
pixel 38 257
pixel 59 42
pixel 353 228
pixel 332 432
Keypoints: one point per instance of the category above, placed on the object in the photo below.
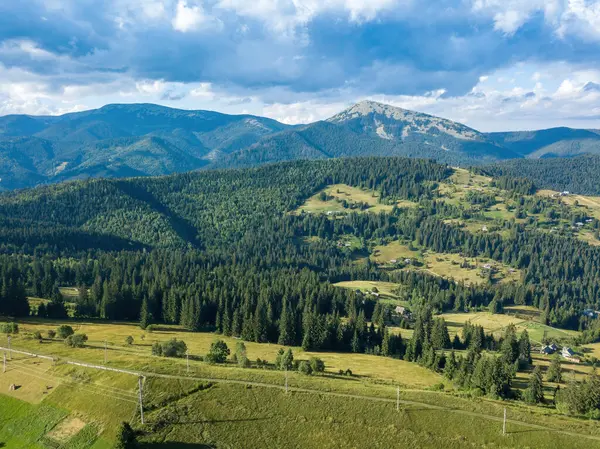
pixel 190 18
pixel 579 17
pixel 285 15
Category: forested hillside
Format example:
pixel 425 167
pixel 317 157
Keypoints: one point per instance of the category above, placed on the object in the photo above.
pixel 578 175
pixel 199 248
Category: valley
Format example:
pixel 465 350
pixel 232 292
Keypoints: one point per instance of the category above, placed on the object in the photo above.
pixel 350 278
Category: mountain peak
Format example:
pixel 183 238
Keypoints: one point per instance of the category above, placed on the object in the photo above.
pixel 367 107
pixel 394 123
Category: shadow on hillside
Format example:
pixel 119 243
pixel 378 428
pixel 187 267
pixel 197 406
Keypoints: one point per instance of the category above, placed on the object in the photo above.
pixel 174 445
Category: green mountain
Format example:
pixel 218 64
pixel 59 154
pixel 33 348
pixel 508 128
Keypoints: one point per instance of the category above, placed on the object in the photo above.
pixel 374 129
pixel 554 142
pixel 120 140
pixel 149 140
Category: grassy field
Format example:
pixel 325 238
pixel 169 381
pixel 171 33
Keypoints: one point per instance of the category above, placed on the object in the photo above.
pixel 395 250
pixel 385 289
pixel 523 317
pixel 84 406
pixel 470 270
pixel 341 192
pixel 590 204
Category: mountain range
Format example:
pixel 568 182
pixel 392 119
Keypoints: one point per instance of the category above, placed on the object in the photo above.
pixel 145 139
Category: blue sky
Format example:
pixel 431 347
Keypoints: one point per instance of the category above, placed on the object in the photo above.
pixel 492 64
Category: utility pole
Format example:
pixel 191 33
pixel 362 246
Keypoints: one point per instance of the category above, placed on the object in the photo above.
pixel 105 355
pixel 397 399
pixel 504 423
pixel 9 350
pixel 140 386
pixel 187 356
pixel 286 380
pixel 4 365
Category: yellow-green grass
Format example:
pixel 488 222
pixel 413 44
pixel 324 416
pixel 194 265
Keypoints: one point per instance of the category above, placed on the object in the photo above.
pixel 395 250
pixel 588 237
pixel 537 331
pixel 29 376
pixel 448 266
pixel 474 226
pixel 229 411
pixel 491 323
pixel 199 344
pixel 590 203
pixel 499 211
pixel 234 416
pixel 592 350
pixel 69 292
pixel 351 195
pixel 384 288
pixel 523 317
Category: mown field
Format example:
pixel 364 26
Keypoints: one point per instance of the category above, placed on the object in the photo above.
pixel 83 406
pixel 352 195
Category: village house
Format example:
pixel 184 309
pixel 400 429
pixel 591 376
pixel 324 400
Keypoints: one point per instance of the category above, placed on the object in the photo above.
pixel 549 349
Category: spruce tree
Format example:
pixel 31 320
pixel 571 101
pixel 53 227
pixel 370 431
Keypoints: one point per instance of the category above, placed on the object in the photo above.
pixel 554 373
pixel 534 394
pixel 144 314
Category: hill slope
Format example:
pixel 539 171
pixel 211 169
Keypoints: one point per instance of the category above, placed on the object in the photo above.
pixel 120 140
pixel 146 139
pixel 554 142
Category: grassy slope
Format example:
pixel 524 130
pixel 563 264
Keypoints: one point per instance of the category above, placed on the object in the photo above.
pixel 234 415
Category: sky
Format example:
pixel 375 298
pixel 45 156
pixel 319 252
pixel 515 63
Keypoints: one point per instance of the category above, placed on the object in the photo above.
pixel 491 64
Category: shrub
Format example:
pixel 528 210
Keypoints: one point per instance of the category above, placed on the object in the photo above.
pixel 125 437
pixel 305 368
pixel 51 334
pixel 65 331
pixel 150 328
pixel 37 335
pixel 317 365
pixel 9 328
pixel 76 340
pixel 129 340
pixel 171 348
pixel 241 356
pixel 284 360
pixel 218 352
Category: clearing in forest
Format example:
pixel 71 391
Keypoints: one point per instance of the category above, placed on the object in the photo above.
pixel 471 270
pixel 332 198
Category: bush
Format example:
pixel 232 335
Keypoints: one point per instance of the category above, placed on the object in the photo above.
pixel 284 360
pixel 76 340
pixel 317 365
pixel 9 328
pixel 150 328
pixel 37 335
pixel 51 334
pixel 65 331
pixel 218 352
pixel 241 355
pixel 125 437
pixel 129 340
pixel 305 368
pixel 171 348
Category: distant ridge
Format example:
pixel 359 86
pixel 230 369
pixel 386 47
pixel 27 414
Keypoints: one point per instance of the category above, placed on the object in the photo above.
pixel 121 140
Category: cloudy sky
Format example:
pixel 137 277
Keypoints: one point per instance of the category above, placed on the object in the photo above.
pixel 492 64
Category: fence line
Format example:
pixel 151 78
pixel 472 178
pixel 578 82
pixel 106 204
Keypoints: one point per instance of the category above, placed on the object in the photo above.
pixel 2 348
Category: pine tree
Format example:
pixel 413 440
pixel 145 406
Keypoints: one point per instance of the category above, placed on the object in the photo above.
pixel 554 373
pixel 385 344
pixel 525 347
pixel 440 339
pixel 144 314
pixel 534 394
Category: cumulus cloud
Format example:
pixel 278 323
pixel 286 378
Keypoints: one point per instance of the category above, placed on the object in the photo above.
pixel 300 60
